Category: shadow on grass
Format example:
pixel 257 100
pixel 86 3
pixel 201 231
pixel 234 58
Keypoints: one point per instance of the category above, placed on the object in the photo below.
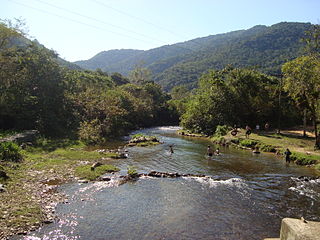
pixel 52 144
pixel 287 135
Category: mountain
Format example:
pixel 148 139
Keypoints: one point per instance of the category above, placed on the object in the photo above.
pixel 261 47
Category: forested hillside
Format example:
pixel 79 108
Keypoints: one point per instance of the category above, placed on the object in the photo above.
pixel 38 92
pixel 262 48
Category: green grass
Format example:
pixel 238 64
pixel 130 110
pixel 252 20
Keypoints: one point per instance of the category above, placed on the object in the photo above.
pixel 85 171
pixel 302 148
pixel 7 133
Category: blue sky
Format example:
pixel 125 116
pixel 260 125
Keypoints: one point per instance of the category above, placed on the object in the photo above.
pixel 79 29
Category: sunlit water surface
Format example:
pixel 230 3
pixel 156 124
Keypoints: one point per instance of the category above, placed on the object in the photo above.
pixel 245 196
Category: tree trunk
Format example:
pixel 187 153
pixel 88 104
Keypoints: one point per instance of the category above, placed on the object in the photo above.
pixel 304 123
pixel 317 143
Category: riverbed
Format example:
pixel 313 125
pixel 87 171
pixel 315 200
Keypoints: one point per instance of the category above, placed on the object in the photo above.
pixel 243 196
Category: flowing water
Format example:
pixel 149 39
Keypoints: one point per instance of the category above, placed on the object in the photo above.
pixel 245 196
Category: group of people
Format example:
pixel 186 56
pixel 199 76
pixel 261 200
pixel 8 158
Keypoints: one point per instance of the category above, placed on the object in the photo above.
pixel 211 152
pixel 248 129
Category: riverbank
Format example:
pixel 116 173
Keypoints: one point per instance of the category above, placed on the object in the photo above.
pixel 302 148
pixel 31 194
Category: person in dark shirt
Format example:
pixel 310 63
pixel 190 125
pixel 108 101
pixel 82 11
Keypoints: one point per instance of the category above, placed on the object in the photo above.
pixel 287 154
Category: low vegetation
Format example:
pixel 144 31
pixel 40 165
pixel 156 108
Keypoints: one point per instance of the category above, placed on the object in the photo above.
pixel 31 183
pixel 301 147
pixel 86 171
pixel 141 140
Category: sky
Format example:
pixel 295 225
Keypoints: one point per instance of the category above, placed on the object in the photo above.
pixel 79 29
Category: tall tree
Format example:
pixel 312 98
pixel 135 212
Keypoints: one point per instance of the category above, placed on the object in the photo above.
pixel 140 75
pixel 302 82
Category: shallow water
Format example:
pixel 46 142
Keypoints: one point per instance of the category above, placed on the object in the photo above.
pixel 245 196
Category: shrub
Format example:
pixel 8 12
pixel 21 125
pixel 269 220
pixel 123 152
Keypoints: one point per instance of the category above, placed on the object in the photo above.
pixel 10 151
pixel 221 130
pixel 132 172
pixel 90 132
pixel 137 135
pixel 266 148
pixel 248 143
pixel 302 159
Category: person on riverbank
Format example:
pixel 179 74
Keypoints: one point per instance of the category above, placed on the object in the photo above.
pixel 209 151
pixel 287 154
pixel 248 131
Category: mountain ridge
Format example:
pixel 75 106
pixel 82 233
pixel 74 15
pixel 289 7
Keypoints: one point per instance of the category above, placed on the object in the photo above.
pixel 263 47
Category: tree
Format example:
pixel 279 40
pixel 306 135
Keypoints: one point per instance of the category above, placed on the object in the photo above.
pixel 302 82
pixel 140 75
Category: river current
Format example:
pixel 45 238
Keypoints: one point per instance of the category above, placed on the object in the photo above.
pixel 245 196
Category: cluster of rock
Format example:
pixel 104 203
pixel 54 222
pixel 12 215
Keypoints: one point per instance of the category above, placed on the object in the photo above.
pixel 188 134
pixel 125 178
pixel 119 154
pixel 142 139
pixel 308 179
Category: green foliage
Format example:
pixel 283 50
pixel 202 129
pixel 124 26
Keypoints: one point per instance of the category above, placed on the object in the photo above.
pixel 266 147
pixel 90 132
pixel 317 167
pixel 37 93
pixel 303 159
pixel 231 96
pixel 137 135
pixel 302 82
pixel 132 172
pixel 221 130
pixel 248 143
pixel 85 171
pixel 10 151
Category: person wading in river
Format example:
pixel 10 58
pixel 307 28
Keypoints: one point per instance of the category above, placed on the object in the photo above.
pixel 287 154
pixel 209 151
pixel 171 149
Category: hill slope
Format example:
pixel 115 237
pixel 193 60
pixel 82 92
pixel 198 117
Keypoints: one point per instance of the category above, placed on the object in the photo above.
pixel 261 47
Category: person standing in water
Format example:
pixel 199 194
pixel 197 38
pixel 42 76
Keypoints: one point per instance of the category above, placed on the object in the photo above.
pixel 217 152
pixel 209 151
pixel 287 154
pixel 171 149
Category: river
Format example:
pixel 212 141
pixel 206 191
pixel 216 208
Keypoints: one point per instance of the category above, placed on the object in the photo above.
pixel 245 196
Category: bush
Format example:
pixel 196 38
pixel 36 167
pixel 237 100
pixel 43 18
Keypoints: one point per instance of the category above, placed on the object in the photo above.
pixel 10 151
pixel 221 130
pixel 138 135
pixel 132 172
pixel 266 148
pixel 90 132
pixel 248 143
pixel 302 159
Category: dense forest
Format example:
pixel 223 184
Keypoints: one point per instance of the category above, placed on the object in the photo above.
pixel 38 91
pixel 262 48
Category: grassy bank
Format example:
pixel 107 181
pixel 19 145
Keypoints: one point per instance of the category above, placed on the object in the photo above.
pixel 31 189
pixel 302 148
